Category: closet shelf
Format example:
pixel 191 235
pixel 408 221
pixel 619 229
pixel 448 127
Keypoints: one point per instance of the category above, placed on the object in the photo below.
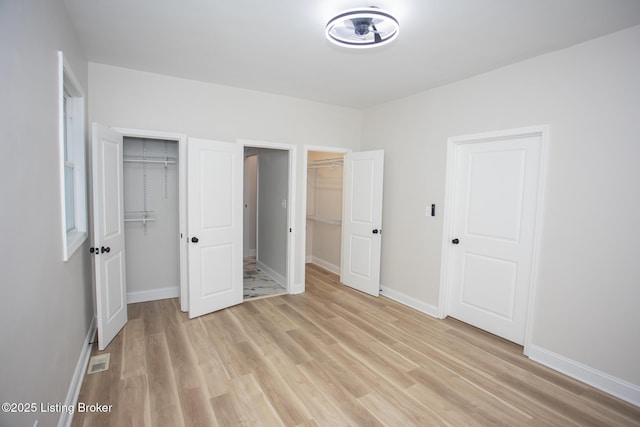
pixel 161 160
pixel 142 220
pixel 325 163
pixel 324 220
pixel 139 216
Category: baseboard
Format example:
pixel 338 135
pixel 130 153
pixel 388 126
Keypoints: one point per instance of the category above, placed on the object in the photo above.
pixel 78 375
pixel 298 288
pixel 152 295
pixel 252 252
pixel 326 265
pixel 600 380
pixel 412 302
pixel 279 278
pixel 308 259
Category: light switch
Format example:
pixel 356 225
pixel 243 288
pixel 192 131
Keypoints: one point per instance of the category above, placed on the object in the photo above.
pixel 430 210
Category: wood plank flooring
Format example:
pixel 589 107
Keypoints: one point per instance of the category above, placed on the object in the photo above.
pixel 329 357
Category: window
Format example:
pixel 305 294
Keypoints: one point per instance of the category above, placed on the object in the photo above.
pixel 71 138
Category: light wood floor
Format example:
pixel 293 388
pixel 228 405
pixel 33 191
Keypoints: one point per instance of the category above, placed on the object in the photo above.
pixel 329 357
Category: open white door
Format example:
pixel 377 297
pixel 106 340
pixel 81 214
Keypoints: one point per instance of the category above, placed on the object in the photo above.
pixel 108 233
pixel 214 198
pixel 362 221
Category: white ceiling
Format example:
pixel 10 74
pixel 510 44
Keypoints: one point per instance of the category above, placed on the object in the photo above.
pixel 279 46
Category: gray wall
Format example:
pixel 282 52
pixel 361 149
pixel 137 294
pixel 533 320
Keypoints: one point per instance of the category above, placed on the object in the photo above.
pixel 46 305
pixel 273 184
pixel 587 301
pixel 250 204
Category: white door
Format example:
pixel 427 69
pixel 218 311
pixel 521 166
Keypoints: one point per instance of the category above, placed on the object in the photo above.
pixel 362 221
pixel 108 233
pixel 494 217
pixel 214 199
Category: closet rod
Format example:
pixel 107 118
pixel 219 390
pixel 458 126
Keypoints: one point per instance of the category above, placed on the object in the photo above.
pixel 326 161
pixel 143 220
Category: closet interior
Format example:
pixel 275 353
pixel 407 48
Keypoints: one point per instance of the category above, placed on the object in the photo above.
pixel 152 228
pixel 324 209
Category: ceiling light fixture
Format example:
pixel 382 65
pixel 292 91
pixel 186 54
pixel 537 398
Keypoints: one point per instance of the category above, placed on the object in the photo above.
pixel 362 28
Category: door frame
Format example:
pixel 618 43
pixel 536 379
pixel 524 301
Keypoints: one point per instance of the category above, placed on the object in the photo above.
pixel 305 160
pixel 182 198
pixel 291 200
pixel 453 145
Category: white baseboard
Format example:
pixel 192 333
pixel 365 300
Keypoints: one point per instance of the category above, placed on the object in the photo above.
pixel 325 264
pixel 600 380
pixel 152 295
pixel 252 252
pixel 78 375
pixel 279 278
pixel 308 259
pixel 609 384
pixel 297 288
pixel 412 302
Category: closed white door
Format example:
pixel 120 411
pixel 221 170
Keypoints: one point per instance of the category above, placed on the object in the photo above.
pixel 494 217
pixel 362 221
pixel 108 233
pixel 214 199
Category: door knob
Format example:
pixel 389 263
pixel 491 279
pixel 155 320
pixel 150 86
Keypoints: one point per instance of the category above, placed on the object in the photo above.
pixel 194 239
pixel 455 241
pixel 375 231
pixel 103 249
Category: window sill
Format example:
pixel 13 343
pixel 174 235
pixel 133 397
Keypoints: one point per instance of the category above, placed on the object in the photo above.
pixel 74 239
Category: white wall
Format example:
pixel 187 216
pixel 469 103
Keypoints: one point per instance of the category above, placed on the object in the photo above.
pixel 45 304
pixel 140 100
pixel 589 282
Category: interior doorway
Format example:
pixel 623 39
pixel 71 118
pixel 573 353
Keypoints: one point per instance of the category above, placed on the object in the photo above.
pixel 325 172
pixel 151 218
pixel 266 219
pixel 491 232
pixel 344 214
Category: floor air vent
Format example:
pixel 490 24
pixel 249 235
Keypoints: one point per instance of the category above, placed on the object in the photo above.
pixel 99 363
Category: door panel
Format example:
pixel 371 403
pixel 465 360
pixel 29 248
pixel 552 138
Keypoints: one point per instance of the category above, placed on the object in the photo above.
pixel 108 233
pixel 489 284
pixel 494 219
pixel 497 180
pixel 114 275
pixel 362 221
pixel 215 225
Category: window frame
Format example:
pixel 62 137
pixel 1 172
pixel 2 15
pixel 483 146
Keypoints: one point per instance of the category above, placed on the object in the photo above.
pixel 71 141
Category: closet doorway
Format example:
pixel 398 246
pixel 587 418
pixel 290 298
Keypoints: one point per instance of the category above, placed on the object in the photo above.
pixel 324 209
pixel 266 219
pixel 154 165
pixel 343 212
pixel 151 219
